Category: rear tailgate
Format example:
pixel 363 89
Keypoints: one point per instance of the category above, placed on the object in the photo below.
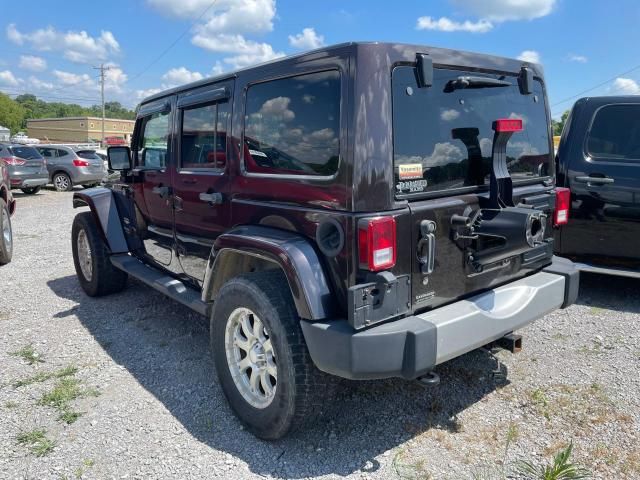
pixel 96 164
pixel 442 161
pixel 34 162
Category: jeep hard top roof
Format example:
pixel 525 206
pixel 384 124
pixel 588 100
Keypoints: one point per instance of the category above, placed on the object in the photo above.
pixel 393 53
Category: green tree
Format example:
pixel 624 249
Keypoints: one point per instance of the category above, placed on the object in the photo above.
pixel 11 113
pixel 559 125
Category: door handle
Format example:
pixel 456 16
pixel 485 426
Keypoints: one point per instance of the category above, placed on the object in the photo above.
pixel 595 180
pixel 211 198
pixel 426 249
pixel 162 191
pixel 189 181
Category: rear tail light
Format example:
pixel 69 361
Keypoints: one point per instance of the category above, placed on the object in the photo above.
pixel 15 161
pixel 80 163
pixel 377 243
pixel 563 204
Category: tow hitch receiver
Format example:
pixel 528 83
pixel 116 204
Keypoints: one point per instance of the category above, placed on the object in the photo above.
pixel 510 342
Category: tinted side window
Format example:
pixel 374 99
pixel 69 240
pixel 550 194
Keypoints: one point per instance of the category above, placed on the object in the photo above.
pixel 203 142
pixel 48 152
pixel 615 133
pixel 292 125
pixel 152 145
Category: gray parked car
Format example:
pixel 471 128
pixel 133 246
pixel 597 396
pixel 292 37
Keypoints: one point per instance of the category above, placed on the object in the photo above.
pixel 68 167
pixel 27 169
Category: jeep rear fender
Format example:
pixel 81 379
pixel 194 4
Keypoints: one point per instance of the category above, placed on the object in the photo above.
pixel 266 246
pixel 102 203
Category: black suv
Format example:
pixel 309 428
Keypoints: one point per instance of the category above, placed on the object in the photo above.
pixel 368 210
pixel 599 160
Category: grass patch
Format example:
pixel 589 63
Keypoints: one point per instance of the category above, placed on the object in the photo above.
pixel 560 468
pixel 37 442
pixel 29 355
pixel 11 404
pixel 68 416
pixel 67 371
pixel 64 392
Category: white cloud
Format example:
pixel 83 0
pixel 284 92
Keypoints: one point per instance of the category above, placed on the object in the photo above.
pixel 489 13
pixel 448 115
pixel 181 75
pixel 223 27
pixel 218 69
pixel 444 24
pixel 33 63
pixel 504 10
pixel 578 58
pixel 8 78
pixel 225 16
pixel 68 78
pixel 78 47
pixel 626 86
pixel 38 84
pixel 306 40
pixel 529 56
pixel 114 78
pixel 141 94
pixel 247 52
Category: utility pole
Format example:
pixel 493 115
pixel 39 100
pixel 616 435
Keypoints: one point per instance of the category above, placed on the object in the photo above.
pixel 102 69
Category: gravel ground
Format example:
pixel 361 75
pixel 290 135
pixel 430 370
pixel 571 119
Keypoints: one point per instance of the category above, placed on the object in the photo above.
pixel 140 399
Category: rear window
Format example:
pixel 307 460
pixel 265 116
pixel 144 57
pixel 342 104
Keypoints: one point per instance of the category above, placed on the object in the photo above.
pixel 615 133
pixel 442 137
pixel 28 153
pixel 292 125
pixel 88 154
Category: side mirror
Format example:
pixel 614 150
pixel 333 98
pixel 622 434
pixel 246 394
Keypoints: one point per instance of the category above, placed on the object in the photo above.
pixel 119 158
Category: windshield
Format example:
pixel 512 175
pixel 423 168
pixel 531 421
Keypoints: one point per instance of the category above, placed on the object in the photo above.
pixel 442 136
pixel 28 153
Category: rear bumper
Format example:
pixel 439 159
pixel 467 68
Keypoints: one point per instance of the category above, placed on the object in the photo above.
pixel 29 180
pixel 413 345
pixel 83 176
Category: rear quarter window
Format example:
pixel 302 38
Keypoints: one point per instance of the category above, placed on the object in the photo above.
pixel 292 125
pixel 615 133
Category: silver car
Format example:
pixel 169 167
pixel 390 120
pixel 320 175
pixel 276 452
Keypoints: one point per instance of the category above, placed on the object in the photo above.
pixel 69 167
pixel 27 169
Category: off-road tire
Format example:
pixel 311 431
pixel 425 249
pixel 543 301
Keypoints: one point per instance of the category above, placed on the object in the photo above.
pixel 31 190
pixel 61 186
pixel 301 390
pixel 6 251
pixel 105 278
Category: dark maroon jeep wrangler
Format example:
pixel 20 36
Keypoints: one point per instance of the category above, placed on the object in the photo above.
pixel 367 210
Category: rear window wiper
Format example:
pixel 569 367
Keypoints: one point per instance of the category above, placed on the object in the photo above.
pixel 474 82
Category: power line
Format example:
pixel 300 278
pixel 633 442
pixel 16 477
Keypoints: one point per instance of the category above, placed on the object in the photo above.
pixel 596 86
pixel 173 44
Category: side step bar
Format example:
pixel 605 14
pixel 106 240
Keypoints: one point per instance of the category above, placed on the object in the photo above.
pixel 162 282
pixel 622 272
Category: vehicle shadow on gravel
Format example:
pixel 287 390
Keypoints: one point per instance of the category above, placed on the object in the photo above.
pixel 609 292
pixel 165 347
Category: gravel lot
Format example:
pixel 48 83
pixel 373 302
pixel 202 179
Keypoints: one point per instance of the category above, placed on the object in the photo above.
pixel 141 380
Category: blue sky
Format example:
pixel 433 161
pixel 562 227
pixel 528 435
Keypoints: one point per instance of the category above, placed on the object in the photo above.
pixel 49 47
